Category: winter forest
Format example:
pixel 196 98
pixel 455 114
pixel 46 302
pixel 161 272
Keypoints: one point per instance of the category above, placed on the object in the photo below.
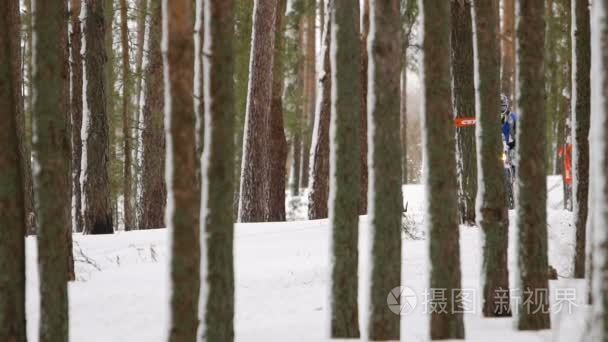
pixel 303 170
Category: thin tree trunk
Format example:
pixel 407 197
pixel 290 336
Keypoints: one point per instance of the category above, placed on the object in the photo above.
pixel 385 216
pixel 508 49
pixel 96 187
pixel 183 218
pixel 24 126
pixel 532 198
pixel 255 141
pixel 319 193
pixel 278 143
pixel 440 165
pixel 581 112
pixel 403 120
pixel 464 103
pixel 364 32
pixel 344 168
pixel 219 184
pixel 309 84
pixel 52 152
pixel 12 207
pixel 493 216
pixel 128 212
pixel 76 110
pixel 154 190
pixel 199 81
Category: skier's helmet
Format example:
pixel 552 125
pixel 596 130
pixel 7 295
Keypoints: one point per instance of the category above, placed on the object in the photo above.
pixel 504 104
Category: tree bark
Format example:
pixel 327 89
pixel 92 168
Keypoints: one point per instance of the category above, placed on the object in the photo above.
pixel 364 32
pixel 76 110
pixel 218 164
pixel 532 198
pixel 508 49
pixel 403 120
pixel 256 138
pixel 127 185
pixel 493 216
pixel 319 193
pixel 154 190
pixel 385 146
pixel 345 168
pixel 12 206
pixel 309 83
pixel 96 187
pixel 581 111
pixel 52 152
pixel 183 215
pixel 277 149
pixel 440 165
pixel 464 103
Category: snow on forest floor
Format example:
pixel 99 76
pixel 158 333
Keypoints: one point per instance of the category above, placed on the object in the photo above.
pixel 282 282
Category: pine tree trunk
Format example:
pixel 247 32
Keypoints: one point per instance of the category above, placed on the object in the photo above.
pixel 98 205
pixel 440 165
pixel 219 184
pixel 243 28
pixel 52 152
pixel 24 127
pixel 493 213
pixel 256 138
pixel 142 15
pixel 364 31
pixel 403 120
pixel 532 198
pixel 581 112
pixel 386 199
pixel 12 208
pixel 183 215
pixel 128 212
pixel 154 191
pixel 76 110
pixel 344 168
pixel 508 49
pixel 296 167
pixel 464 103
pixel 319 193
pixel 309 84
pixel 277 150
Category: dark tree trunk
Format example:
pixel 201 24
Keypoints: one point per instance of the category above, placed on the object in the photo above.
pixel 493 213
pixel 183 215
pixel 52 153
pixel 385 145
pixel 96 187
pixel 319 193
pixel 310 89
pixel 127 184
pixel 403 122
pixel 508 49
pixel 277 149
pixel 76 111
pixel 296 167
pixel 464 103
pixel 581 112
pixel 154 190
pixel 255 142
pixel 24 129
pixel 532 198
pixel 218 165
pixel 440 164
pixel 344 168
pixel 364 30
pixel 12 210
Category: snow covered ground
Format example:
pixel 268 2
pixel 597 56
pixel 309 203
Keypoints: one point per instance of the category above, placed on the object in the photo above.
pixel 282 282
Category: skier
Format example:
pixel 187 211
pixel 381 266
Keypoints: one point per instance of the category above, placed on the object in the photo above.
pixel 509 136
pixel 509 123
